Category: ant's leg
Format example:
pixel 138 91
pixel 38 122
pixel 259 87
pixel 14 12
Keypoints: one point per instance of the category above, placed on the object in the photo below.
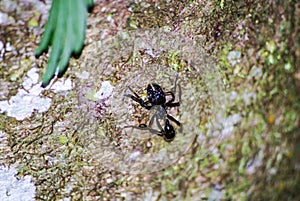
pixel 145 127
pixel 176 104
pixel 159 132
pixel 141 127
pixel 173 92
pixel 154 131
pixel 171 103
pixel 175 83
pixel 174 120
pixel 179 87
pixel 179 91
pixel 136 95
pixel 138 99
pixel 149 127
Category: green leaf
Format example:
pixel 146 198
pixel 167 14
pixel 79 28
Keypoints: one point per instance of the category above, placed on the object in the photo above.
pixel 50 26
pixel 65 32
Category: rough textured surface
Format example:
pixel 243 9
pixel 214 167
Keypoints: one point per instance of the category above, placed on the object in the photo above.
pixel 240 104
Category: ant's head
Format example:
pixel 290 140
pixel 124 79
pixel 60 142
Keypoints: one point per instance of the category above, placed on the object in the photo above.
pixel 156 95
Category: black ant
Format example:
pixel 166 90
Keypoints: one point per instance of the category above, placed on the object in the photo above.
pixel 157 100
